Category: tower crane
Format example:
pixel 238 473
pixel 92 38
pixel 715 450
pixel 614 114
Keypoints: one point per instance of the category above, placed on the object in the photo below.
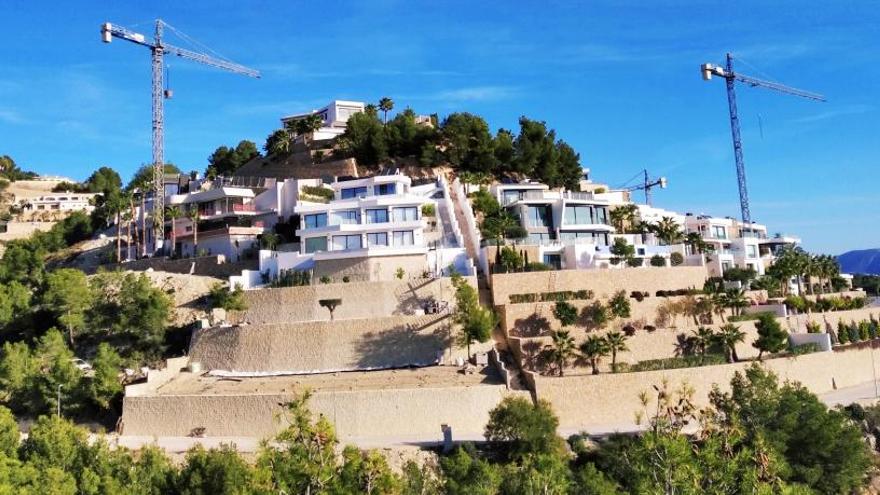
pixel 158 50
pixel 709 70
pixel 647 184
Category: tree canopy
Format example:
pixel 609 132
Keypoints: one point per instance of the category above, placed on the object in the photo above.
pixel 225 160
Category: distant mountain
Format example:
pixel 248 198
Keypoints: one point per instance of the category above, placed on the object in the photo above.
pixel 864 261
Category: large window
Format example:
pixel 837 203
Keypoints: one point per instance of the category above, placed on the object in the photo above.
pixel 377 239
pixel 578 214
pixel 341 242
pixel 383 189
pixel 553 260
pixel 348 217
pixel 510 196
pixel 751 251
pixel 540 216
pixel 314 244
pixel 404 238
pixel 408 214
pixel 601 215
pixel 377 216
pixel 354 192
pixel 539 238
pixel 316 221
pixel 719 232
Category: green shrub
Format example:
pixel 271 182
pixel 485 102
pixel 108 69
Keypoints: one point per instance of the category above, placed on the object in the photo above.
pixel 864 330
pixel 221 297
pixel 325 279
pixel 318 192
pixel 805 349
pixel 293 278
pixel 814 327
pixel 428 210
pixel 750 316
pixel 676 259
pixel 346 279
pixel 678 362
pixel 537 266
pixel 657 260
pixel 842 333
pixel 635 262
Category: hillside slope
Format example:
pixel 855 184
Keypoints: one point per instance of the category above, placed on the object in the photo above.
pixel 864 261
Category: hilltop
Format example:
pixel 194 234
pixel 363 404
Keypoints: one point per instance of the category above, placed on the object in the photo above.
pixel 862 261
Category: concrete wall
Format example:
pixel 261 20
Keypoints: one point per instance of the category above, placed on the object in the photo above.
pixel 661 343
pixel 603 282
pixel 609 401
pixel 394 414
pixel 359 300
pixel 372 268
pixel 327 346
pixel 209 266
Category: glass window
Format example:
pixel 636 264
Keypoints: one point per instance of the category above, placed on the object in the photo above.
pixel 509 197
pixel 341 242
pixel 383 189
pixel 404 238
pixel 553 260
pixel 538 238
pixel 348 217
pixel 719 232
pixel 354 192
pixel 314 244
pixel 578 214
pixel 540 216
pixel 377 239
pixel 377 216
pixel 316 221
pixel 601 215
pixel 752 251
pixel 407 214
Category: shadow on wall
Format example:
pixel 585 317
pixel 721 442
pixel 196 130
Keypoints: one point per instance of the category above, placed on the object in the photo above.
pixel 534 325
pixel 402 346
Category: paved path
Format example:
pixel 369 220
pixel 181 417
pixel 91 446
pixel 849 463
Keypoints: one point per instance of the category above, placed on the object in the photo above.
pixel 863 393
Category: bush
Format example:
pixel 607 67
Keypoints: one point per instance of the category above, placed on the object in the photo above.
pixel 676 259
pixel 537 266
pixel 619 305
pixel 658 260
pixel 751 316
pixel 428 210
pixel 805 349
pixel 635 262
pixel 318 192
pixel 678 362
pixel 221 297
pixel 293 278
pixel 325 279
pixel 814 327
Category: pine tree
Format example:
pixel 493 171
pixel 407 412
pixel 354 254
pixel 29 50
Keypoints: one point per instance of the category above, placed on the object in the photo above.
pixel 771 337
pixel 842 333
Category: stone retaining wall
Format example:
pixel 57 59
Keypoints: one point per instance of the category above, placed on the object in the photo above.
pixel 324 346
pixel 359 300
pixel 393 414
pixel 604 283
pixel 209 266
pixel 611 400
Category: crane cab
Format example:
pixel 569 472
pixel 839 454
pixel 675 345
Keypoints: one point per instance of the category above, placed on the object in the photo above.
pixel 106 35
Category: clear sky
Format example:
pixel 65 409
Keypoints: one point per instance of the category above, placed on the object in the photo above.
pixel 617 80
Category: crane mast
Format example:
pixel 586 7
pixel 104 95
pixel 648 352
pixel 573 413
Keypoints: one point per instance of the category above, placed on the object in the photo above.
pixel 730 77
pixel 158 50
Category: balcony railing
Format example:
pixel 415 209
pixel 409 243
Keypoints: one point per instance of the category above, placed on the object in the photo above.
pixel 243 208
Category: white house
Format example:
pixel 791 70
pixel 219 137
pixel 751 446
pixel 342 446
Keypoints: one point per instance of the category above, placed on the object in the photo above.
pixel 335 116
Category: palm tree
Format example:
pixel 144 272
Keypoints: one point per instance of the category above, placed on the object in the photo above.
pixel 306 126
pixel 736 300
pixel 593 349
pixel 173 213
pixel 623 217
pixel 193 215
pixel 371 109
pixel 270 240
pixel 116 204
pixel 281 142
pixel 703 338
pixel 728 336
pixel 668 231
pixel 132 224
pixel 561 350
pixel 616 342
pixel 386 104
pixel 720 303
pixel 696 242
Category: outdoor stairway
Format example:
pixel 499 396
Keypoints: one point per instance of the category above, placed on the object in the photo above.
pixel 467 235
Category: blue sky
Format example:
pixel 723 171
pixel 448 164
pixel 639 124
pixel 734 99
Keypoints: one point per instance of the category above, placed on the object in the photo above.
pixel 617 80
